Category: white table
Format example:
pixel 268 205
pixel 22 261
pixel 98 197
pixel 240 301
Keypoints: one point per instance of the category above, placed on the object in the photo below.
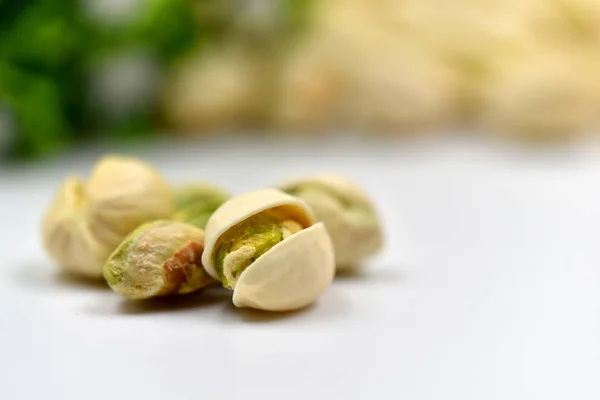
pixel 489 287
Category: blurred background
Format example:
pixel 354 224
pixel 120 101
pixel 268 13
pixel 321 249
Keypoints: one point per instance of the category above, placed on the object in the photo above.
pixel 488 287
pixel 78 71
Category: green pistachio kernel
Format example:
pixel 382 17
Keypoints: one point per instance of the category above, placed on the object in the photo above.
pixel 244 243
pixel 195 203
pixel 157 259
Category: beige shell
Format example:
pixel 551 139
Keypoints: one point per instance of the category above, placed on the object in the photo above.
pixel 294 272
pixel 85 222
pixel 352 243
pixel 123 194
pixel 65 234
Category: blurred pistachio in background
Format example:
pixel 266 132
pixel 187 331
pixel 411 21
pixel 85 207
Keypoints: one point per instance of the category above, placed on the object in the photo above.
pixel 73 70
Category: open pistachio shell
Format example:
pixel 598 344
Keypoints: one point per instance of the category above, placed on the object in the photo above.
pixel 158 259
pixel 239 208
pixel 123 194
pixel 66 236
pixel 281 260
pixel 346 211
pixel 196 202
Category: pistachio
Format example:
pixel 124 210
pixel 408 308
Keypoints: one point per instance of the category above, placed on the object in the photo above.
pixel 157 259
pixel 66 236
pixel 195 203
pixel 267 248
pixel 346 211
pixel 123 194
pixel 86 221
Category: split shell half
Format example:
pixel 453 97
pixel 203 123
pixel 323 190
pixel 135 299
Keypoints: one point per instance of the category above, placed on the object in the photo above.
pixel 291 275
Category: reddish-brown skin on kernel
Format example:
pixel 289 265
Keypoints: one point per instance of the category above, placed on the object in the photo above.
pixel 179 268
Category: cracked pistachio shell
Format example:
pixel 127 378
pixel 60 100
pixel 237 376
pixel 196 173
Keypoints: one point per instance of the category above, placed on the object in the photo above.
pixel 123 194
pixel 196 202
pixel 291 274
pixel 158 259
pixel 66 236
pixel 346 211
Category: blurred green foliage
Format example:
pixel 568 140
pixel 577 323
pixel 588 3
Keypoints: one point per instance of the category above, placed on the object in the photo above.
pixel 48 49
pixel 41 43
pixel 166 30
pixel 296 16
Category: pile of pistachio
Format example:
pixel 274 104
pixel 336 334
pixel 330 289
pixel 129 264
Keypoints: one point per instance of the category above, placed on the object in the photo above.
pixel 277 248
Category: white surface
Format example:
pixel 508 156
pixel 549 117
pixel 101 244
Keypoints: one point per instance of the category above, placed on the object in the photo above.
pixel 495 296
